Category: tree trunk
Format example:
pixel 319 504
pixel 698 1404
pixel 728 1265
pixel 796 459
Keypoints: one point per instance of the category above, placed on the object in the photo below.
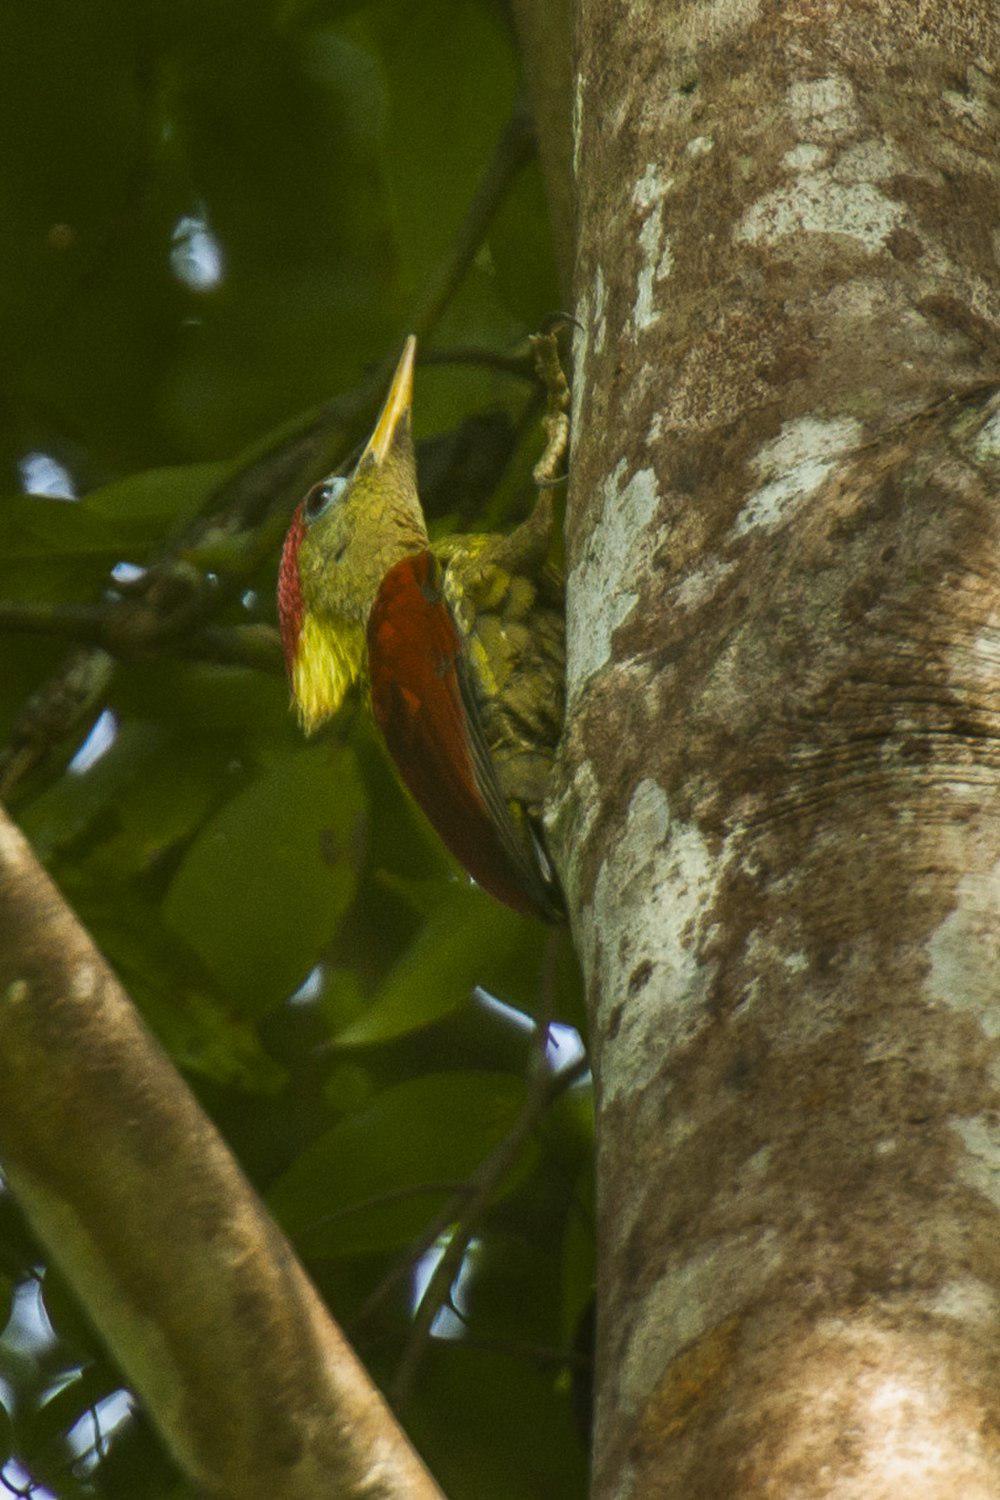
pixel 780 814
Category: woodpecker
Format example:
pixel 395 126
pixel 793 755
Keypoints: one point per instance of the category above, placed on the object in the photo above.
pixel 457 645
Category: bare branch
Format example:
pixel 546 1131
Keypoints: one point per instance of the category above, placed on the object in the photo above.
pixel 513 151
pixel 139 1202
pixel 484 1183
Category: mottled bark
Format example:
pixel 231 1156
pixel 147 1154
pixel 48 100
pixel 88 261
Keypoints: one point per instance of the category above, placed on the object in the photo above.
pixel 781 807
pixel 139 1202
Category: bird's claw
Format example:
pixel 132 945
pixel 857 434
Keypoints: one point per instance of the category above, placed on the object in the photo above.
pixel 555 422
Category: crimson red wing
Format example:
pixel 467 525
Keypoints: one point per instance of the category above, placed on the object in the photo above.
pixel 423 705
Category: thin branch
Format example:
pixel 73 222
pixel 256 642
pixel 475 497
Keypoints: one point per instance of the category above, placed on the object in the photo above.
pixel 78 622
pixel 484 1183
pixel 50 714
pixel 14 1489
pixel 103 625
pixel 257 646
pixel 541 1354
pixel 521 366
pixel 513 151
pixel 382 1200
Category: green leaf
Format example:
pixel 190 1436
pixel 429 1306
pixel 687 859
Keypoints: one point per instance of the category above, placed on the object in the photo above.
pixel 497 1426
pixel 264 887
pixel 128 516
pixel 33 526
pixel 579 1269
pixel 6 1299
pixel 170 986
pixel 353 1191
pixel 348 1088
pixel 341 997
pixel 163 807
pixel 465 934
pixel 18 1251
pixel 445 117
pixel 153 501
pixel 75 810
pixel 54 551
pixel 202 1038
pixel 206 699
pixel 519 238
pixel 68 1317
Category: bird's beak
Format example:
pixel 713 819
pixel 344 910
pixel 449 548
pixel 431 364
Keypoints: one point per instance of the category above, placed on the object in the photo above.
pixel 397 406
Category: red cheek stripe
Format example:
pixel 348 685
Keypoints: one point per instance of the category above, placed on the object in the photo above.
pixel 290 605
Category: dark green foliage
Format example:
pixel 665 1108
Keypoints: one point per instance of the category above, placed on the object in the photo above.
pixel 318 157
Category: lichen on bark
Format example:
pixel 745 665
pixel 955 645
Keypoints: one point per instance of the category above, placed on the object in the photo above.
pixel 784 646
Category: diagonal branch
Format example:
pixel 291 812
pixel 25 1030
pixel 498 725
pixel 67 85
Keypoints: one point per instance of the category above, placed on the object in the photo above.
pixel 197 1293
pixel 484 1184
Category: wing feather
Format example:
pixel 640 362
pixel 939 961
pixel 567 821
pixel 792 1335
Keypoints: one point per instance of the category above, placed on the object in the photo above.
pixel 425 705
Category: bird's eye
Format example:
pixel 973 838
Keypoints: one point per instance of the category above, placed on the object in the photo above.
pixel 322 496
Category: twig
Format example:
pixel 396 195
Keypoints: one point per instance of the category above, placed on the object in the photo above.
pixel 381 1200
pixel 49 714
pixel 257 646
pixel 513 151
pixel 540 1354
pixel 127 637
pixel 522 366
pixel 546 1088
pixel 80 622
pixel 540 1072
pixel 450 1212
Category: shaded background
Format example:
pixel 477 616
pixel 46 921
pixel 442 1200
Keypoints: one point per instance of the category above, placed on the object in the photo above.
pixel 215 219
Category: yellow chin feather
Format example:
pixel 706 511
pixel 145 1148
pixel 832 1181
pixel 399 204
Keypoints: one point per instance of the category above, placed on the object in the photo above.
pixel 328 660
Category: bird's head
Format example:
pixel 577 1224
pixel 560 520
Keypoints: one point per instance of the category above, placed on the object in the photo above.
pixel 344 537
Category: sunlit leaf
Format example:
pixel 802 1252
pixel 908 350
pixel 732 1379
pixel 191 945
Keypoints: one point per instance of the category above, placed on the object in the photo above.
pixel 465 934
